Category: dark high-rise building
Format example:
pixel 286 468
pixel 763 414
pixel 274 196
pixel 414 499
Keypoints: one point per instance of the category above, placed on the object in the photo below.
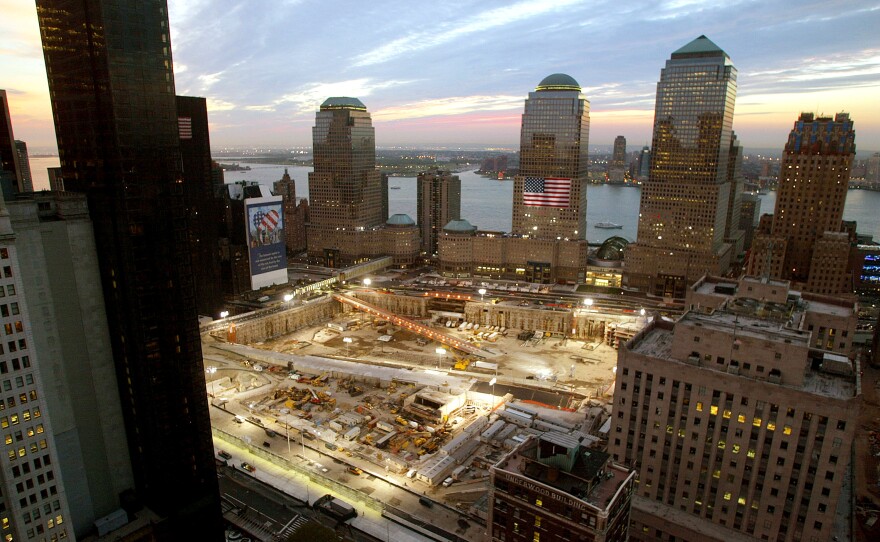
pixel 202 207
pixel 296 213
pixel 116 118
pixel 806 237
pixel 438 196
pixel 684 209
pixel 24 163
pixel 617 165
pixel 345 188
pixel 550 192
pixel 10 168
pixel 643 170
pixel 56 180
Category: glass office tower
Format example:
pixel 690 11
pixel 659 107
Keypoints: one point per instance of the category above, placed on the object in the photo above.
pixel 550 192
pixel 112 88
pixel 684 207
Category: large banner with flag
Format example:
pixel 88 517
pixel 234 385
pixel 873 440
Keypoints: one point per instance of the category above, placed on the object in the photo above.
pixel 546 192
pixel 266 242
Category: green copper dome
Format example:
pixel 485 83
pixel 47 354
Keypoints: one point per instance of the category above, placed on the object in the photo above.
pixel 342 102
pixel 400 219
pixel 558 81
pixel 459 226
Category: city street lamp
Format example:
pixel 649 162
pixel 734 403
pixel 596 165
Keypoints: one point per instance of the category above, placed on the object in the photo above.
pixel 347 341
pixel 588 303
pixel 440 353
pixel 224 314
pixel 482 292
pixel 367 282
pixel 287 299
pixel 211 370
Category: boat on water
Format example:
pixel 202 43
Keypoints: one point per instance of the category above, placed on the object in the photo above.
pixel 608 226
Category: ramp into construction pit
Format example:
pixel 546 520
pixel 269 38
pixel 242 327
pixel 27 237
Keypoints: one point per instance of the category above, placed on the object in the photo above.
pixel 415 327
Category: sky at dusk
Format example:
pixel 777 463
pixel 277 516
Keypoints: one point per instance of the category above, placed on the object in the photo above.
pixel 457 72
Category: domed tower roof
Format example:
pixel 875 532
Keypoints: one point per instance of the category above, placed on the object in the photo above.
pixel 343 102
pixel 400 219
pixel 459 226
pixel 558 81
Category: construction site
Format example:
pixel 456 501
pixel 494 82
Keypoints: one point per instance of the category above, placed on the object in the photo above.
pixel 421 389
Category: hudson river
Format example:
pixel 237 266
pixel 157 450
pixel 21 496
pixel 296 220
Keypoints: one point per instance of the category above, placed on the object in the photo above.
pixel 487 203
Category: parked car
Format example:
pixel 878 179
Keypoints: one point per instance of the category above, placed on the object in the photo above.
pixel 225 455
pixel 248 467
pixel 354 470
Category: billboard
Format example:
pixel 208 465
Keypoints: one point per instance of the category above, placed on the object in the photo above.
pixel 267 252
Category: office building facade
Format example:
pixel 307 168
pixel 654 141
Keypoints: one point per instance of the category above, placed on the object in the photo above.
pixel 62 284
pixel 110 74
pixel 739 417
pixel 24 164
pixel 685 202
pixel 296 214
pixel 438 196
pixel 348 195
pixel 33 503
pixel 550 191
pixel 554 487
pixel 617 165
pixel 202 207
pixel 806 236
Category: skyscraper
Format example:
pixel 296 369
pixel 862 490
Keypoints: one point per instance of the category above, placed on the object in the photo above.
pixel 112 87
pixel 438 196
pixel 740 416
pixel 62 285
pixel 685 201
pixel 33 501
pixel 24 163
pixel 617 165
pixel 807 220
pixel 345 187
pixel 10 169
pixel 550 191
pixel 202 208
pixel 643 170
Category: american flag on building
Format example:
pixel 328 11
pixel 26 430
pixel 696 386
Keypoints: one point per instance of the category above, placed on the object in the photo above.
pixel 185 127
pixel 546 192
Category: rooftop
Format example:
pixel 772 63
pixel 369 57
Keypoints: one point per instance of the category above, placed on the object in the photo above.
pixel 400 219
pixel 558 81
pixel 700 47
pixel 592 478
pixel 343 102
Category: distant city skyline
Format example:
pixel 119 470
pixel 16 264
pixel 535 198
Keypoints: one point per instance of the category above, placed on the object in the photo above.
pixel 458 73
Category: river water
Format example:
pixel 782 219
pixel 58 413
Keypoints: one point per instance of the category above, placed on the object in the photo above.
pixel 488 203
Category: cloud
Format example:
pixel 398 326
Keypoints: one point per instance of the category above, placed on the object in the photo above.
pixel 310 96
pixel 455 105
pixel 215 104
pixel 443 33
pixel 851 69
